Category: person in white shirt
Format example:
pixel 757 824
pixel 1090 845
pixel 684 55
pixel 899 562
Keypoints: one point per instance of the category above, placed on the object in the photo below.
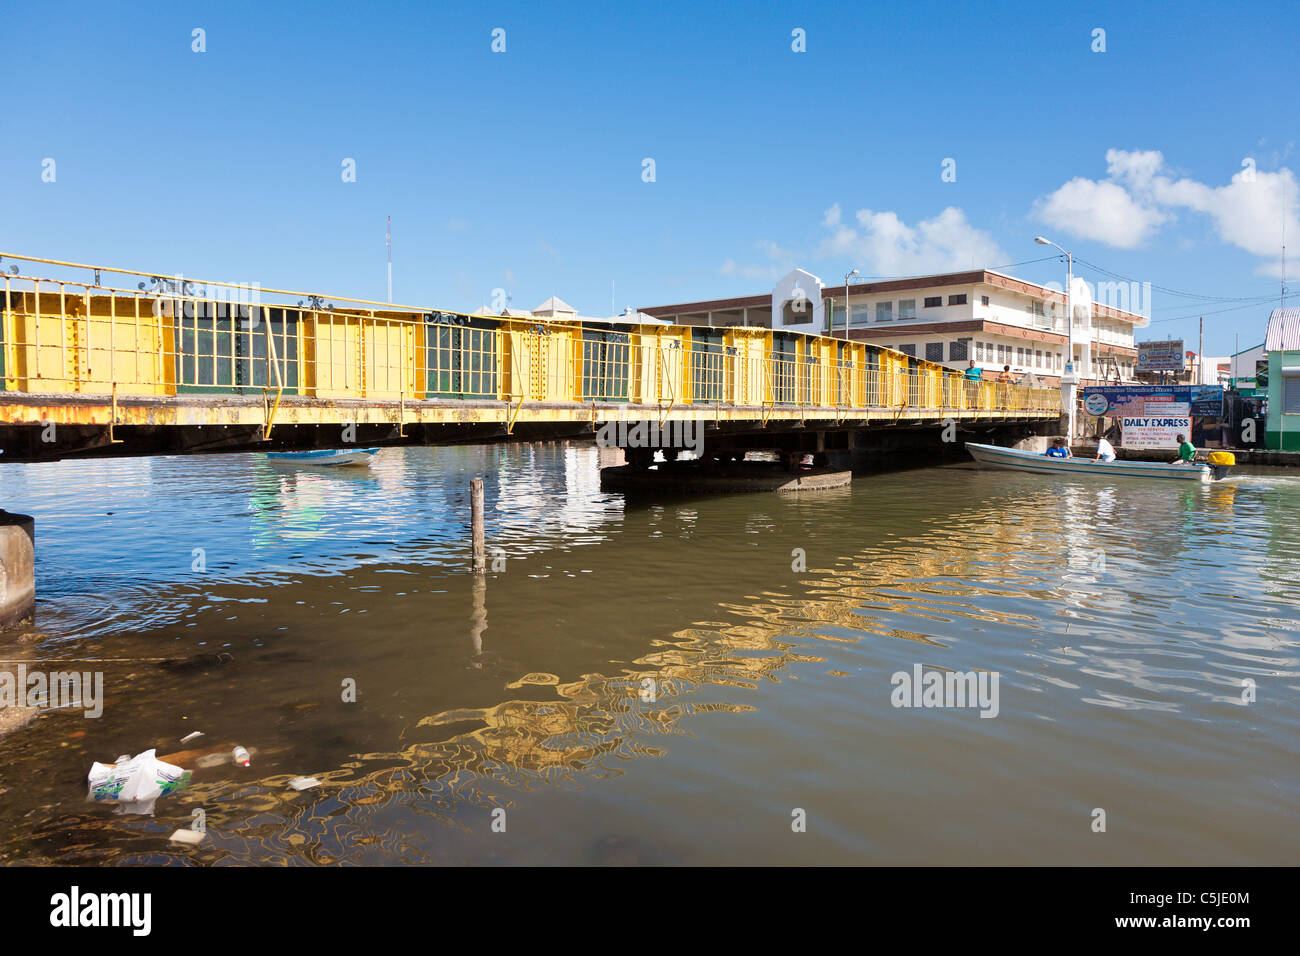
pixel 1105 450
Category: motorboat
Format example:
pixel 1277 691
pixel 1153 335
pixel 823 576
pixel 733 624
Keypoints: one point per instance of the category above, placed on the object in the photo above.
pixel 325 457
pixel 1014 459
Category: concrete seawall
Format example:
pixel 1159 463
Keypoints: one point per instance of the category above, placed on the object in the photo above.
pixel 1244 456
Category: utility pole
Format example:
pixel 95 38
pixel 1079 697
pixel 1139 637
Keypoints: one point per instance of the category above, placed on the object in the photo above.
pixel 1070 378
pixel 1200 351
pixel 388 239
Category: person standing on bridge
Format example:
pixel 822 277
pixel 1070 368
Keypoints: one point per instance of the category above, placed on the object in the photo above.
pixel 973 377
pixel 1004 386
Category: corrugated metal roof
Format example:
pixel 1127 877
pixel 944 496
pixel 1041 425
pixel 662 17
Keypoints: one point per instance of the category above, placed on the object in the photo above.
pixel 1283 333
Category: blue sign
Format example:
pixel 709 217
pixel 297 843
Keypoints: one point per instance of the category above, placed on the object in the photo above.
pixel 1207 400
pixel 1204 401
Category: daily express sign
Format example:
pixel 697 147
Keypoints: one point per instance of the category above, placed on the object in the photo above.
pixel 1154 432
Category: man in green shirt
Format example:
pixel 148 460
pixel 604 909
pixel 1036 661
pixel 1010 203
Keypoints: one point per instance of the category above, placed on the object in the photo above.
pixel 1186 450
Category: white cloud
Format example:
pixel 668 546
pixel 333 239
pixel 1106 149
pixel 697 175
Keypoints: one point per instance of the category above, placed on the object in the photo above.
pixel 1141 195
pixel 883 244
pixel 1102 211
pixel 1136 168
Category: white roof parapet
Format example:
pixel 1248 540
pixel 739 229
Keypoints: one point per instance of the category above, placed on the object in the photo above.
pixel 553 306
pixel 803 291
pixel 632 317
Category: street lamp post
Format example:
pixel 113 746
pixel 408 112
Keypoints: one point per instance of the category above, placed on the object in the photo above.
pixel 1068 379
pixel 847 277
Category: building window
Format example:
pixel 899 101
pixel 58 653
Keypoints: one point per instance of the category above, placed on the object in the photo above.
pixel 861 314
pixel 979 351
pixel 1290 394
pixel 933 301
pixel 908 350
pixel 958 350
pixel 1058 361
pixel 907 308
pixel 884 312
pixel 984 300
pixel 934 351
pixel 957 299
pixel 837 316
pixel 1020 355
pixel 1001 353
pixel 1038 358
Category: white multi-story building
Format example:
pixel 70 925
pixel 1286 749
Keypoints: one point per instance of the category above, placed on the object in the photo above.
pixel 993 319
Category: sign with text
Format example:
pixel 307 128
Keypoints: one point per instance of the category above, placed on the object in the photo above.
pixel 1202 401
pixel 1154 432
pixel 1160 356
pixel 1207 400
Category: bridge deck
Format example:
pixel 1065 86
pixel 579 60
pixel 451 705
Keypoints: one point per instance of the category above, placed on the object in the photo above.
pixel 75 350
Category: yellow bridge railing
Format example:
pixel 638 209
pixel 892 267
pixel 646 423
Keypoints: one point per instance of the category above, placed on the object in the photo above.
pixel 80 334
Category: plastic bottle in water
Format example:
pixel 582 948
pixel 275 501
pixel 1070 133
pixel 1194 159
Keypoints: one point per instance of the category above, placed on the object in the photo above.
pixel 241 757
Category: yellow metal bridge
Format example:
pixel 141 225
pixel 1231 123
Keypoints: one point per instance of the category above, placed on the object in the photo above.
pixel 115 357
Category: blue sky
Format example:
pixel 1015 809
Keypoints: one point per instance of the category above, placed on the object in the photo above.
pixel 523 170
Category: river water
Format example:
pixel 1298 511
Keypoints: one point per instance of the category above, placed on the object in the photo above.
pixel 660 680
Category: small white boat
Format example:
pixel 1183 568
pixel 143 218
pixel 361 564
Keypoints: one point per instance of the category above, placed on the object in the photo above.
pixel 1013 459
pixel 328 457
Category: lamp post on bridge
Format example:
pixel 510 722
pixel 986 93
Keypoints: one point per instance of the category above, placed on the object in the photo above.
pixel 1068 378
pixel 847 277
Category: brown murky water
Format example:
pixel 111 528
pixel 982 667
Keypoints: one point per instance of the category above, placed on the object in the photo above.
pixel 1122 622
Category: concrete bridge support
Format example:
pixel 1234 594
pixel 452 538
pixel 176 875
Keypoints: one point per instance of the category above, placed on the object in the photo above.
pixel 17 568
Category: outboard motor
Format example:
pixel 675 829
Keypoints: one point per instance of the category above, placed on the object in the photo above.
pixel 1221 463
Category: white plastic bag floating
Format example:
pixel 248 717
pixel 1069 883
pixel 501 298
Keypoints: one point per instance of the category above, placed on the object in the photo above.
pixel 136 783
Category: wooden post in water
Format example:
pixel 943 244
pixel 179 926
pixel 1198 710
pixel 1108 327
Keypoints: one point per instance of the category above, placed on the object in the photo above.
pixel 476 524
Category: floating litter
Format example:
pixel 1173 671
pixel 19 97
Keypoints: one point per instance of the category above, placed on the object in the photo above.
pixel 188 737
pixel 191 837
pixel 304 783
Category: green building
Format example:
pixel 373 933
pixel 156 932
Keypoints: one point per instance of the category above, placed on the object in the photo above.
pixel 1282 343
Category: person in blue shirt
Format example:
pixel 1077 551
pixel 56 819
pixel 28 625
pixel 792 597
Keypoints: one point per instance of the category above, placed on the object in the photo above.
pixel 1059 449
